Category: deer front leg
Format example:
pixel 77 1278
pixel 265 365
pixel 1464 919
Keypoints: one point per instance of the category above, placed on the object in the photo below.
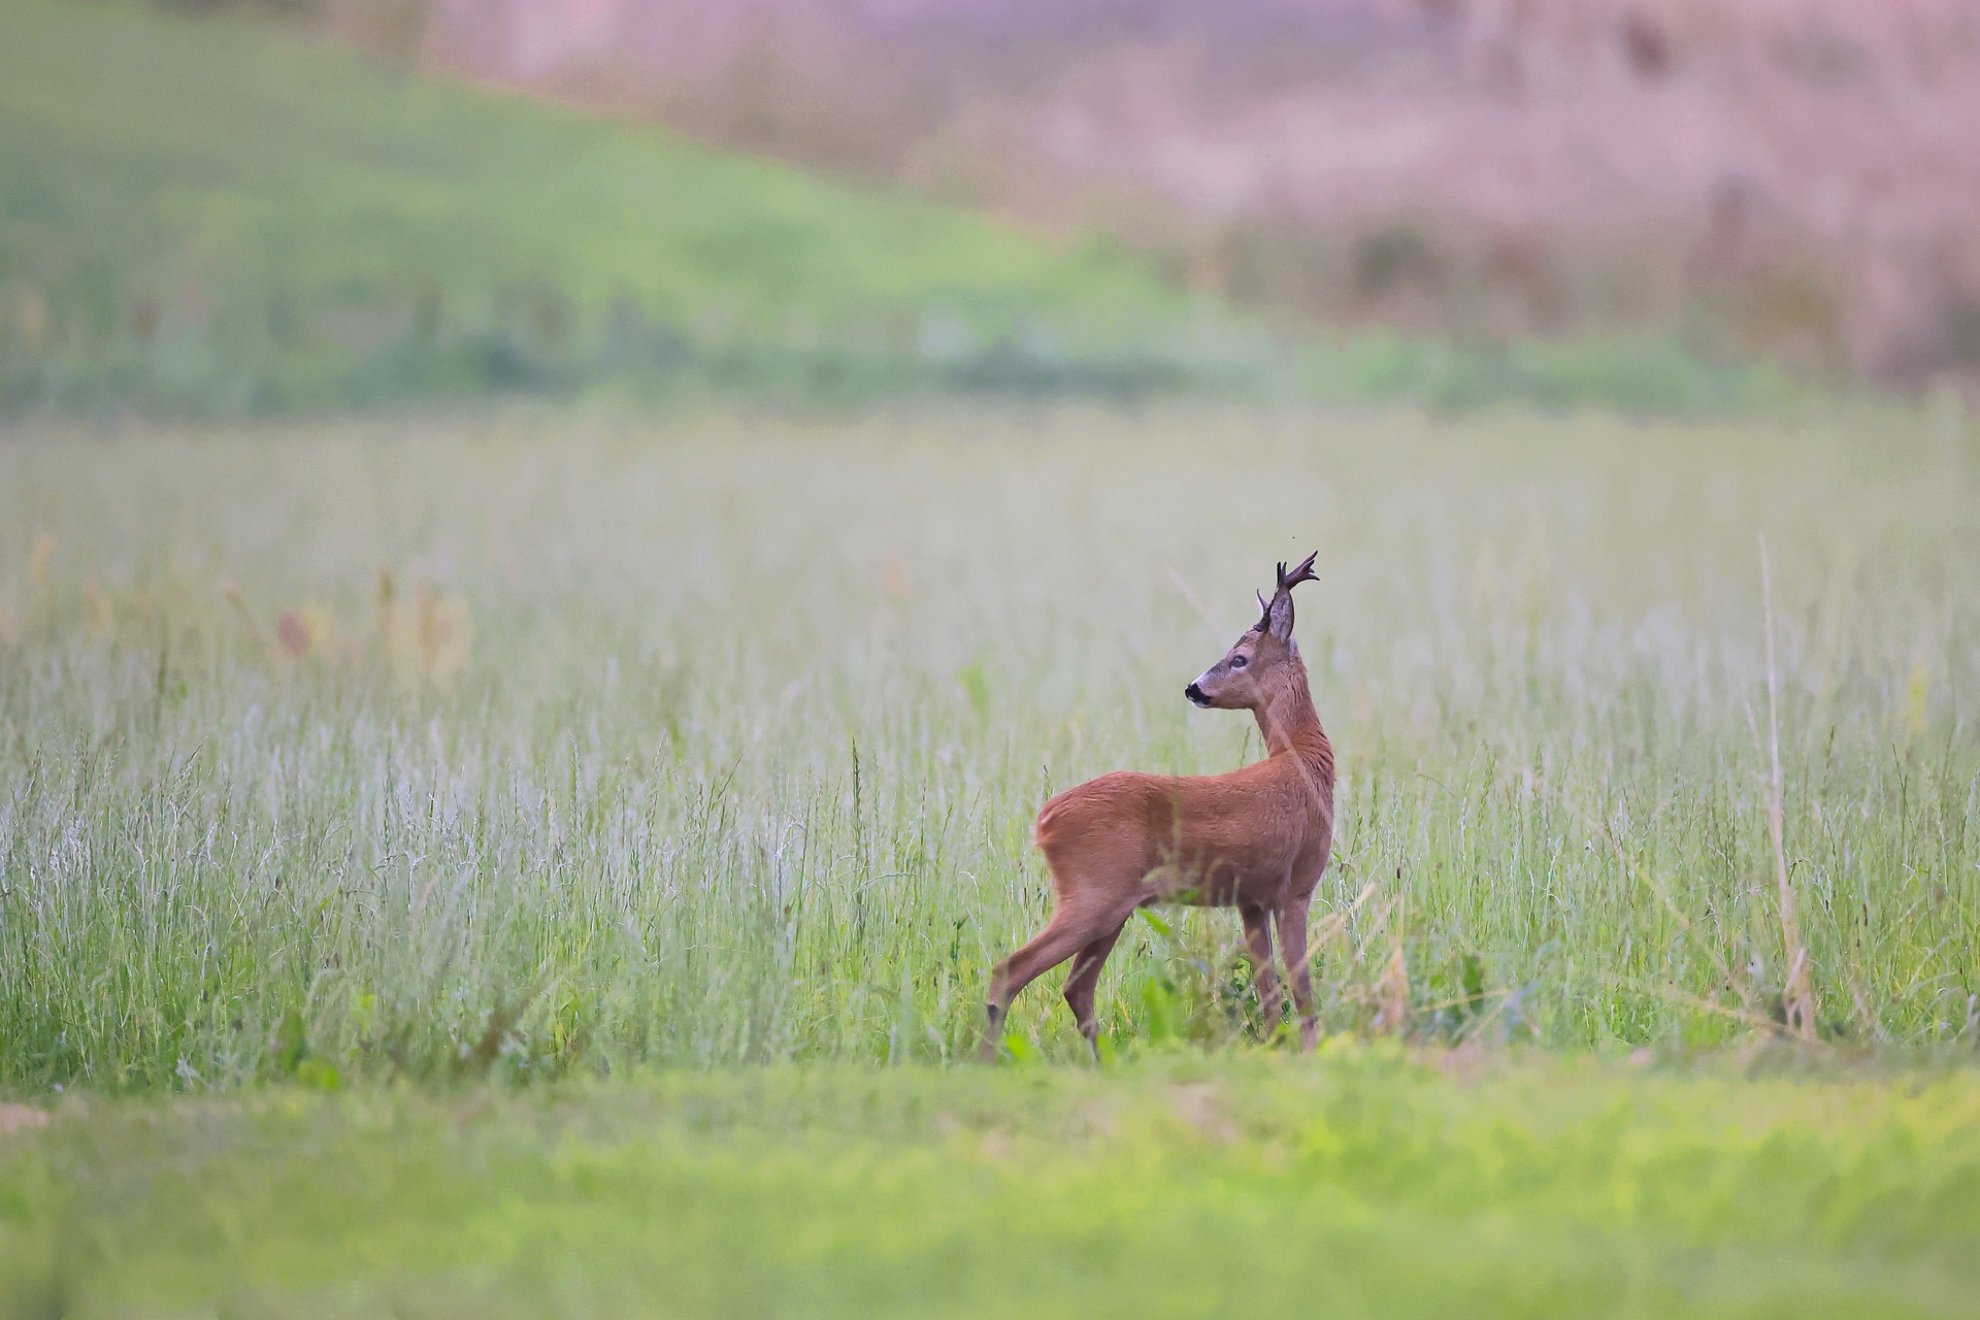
pixel 1258 944
pixel 1292 947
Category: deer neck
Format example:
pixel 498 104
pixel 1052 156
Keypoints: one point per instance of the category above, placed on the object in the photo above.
pixel 1289 724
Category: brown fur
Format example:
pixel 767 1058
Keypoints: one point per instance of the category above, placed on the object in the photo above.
pixel 1256 839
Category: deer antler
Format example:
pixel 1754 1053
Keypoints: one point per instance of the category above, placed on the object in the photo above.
pixel 1287 581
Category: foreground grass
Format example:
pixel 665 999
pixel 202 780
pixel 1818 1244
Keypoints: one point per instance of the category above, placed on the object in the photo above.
pixel 1363 1181
pixel 540 747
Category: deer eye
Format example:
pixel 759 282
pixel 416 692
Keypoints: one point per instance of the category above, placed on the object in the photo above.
pixel 1239 662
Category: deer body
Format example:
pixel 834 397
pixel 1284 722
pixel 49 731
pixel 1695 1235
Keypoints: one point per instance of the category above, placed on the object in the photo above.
pixel 1257 839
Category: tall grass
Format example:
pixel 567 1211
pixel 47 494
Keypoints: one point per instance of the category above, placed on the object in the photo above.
pixel 531 745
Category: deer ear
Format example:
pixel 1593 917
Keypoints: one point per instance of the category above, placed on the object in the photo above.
pixel 1279 616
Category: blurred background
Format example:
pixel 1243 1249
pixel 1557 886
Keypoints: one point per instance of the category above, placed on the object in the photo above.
pixel 231 207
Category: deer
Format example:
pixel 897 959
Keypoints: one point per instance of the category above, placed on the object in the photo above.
pixel 1257 839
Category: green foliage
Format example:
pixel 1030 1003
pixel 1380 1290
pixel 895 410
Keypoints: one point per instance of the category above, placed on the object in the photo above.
pixel 723 742
pixel 1367 1181
pixel 1642 375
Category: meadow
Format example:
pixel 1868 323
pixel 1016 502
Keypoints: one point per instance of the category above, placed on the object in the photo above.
pixel 530 651
pixel 532 747
pixel 547 864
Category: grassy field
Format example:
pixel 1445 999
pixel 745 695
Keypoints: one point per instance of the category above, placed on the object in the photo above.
pixel 543 747
pixel 218 217
pixel 541 865
pixel 545 862
pixel 1364 1181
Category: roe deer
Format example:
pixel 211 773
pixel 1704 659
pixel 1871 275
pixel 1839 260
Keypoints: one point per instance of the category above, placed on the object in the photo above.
pixel 1256 839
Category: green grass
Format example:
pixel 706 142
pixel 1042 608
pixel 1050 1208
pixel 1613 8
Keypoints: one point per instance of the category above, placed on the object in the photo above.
pixel 540 865
pixel 722 743
pixel 216 216
pixel 1363 1182
pixel 1649 375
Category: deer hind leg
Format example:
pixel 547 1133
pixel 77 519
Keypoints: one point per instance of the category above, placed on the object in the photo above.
pixel 1067 933
pixel 1085 977
pixel 1292 947
pixel 1258 944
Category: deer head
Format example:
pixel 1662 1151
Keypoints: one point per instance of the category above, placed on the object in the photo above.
pixel 1247 676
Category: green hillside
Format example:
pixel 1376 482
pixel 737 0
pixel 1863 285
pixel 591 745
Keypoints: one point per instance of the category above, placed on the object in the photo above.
pixel 216 215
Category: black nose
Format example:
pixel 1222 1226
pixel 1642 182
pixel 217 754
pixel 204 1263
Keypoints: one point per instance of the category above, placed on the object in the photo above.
pixel 1195 694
